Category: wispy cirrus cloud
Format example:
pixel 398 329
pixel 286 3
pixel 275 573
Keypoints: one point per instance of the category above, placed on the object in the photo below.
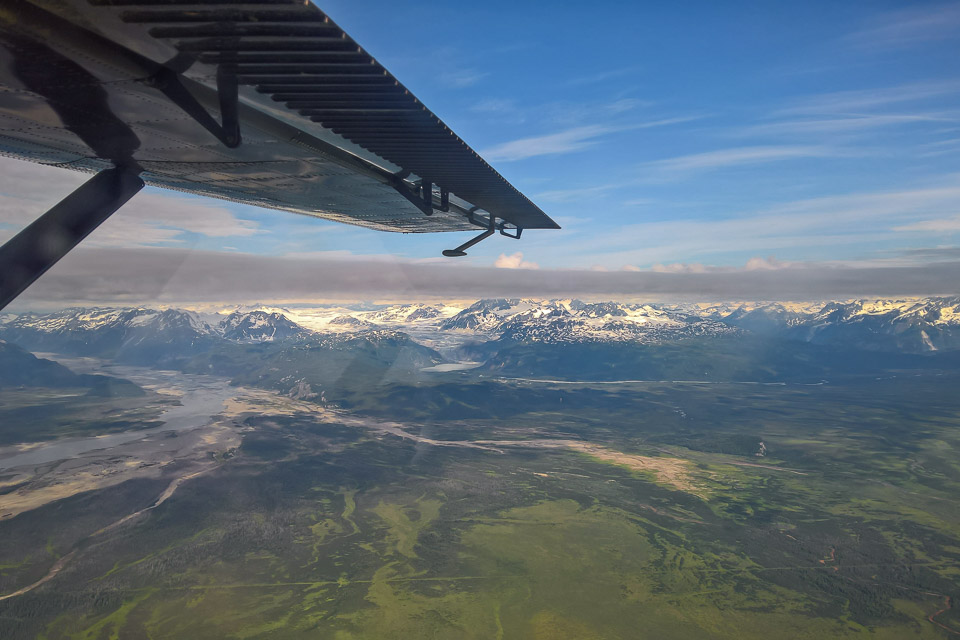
pixel 909 27
pixel 940 225
pixel 939 148
pixel 738 156
pixel 567 113
pixel 462 78
pixel 502 111
pixel 846 124
pixel 495 105
pixel 602 76
pixel 568 140
pixel 845 102
pixel 931 254
pixel 556 113
pixel 573 195
pixel 814 224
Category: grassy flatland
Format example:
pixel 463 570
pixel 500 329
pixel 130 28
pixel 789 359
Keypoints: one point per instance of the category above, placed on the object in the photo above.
pixel 662 523
pixel 406 523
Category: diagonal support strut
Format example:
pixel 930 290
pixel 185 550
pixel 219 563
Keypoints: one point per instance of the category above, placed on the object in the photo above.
pixel 462 249
pixel 227 130
pixel 39 246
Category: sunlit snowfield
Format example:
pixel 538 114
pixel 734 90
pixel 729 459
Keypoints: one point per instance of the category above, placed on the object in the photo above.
pixel 510 469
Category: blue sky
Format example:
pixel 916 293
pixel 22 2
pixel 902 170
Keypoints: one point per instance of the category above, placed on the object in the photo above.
pixel 662 136
pixel 633 123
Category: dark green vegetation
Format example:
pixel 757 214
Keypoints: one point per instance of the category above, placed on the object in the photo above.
pixel 738 358
pixel 849 528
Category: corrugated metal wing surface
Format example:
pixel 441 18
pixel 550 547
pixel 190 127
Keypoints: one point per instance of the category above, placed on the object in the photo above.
pixel 297 65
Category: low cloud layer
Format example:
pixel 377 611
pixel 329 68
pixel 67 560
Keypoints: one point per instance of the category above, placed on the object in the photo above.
pixel 166 275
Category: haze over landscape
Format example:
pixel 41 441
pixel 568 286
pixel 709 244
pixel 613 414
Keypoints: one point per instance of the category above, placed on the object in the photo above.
pixel 721 402
pixel 491 468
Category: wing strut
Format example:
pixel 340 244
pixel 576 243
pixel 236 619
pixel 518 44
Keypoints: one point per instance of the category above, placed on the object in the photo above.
pixel 227 130
pixel 462 249
pixel 29 254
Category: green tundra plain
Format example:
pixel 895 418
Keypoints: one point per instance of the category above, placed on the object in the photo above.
pixel 625 511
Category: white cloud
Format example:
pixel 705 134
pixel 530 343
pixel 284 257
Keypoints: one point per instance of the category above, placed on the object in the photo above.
pixel 679 267
pixel 756 263
pixel 764 264
pixel 514 261
pixel 942 225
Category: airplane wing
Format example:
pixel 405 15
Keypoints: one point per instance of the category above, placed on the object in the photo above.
pixel 265 102
pixel 322 128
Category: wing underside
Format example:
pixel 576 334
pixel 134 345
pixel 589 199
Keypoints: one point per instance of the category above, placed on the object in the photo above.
pixel 265 102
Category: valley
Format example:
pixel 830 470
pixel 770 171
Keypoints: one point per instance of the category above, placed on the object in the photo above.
pixel 362 484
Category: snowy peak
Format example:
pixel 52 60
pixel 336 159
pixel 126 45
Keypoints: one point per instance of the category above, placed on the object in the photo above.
pixel 622 326
pixel 906 325
pixel 409 313
pixel 488 314
pixel 346 323
pixel 119 330
pixel 172 320
pixel 127 321
pixel 911 325
pixel 259 326
pixel 557 321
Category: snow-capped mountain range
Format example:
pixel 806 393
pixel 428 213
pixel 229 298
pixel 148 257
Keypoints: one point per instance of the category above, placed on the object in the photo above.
pixel 179 323
pixel 915 325
pixel 559 321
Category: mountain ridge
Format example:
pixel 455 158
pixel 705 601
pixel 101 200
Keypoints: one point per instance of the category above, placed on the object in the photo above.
pixel 920 325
